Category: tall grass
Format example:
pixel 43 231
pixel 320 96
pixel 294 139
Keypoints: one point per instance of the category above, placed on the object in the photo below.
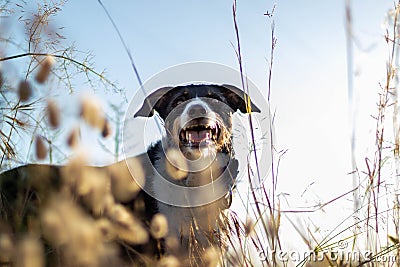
pixel 44 61
pixel 261 228
pixel 369 236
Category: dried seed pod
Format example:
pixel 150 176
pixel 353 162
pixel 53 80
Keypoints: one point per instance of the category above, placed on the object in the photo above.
pixel 93 186
pixel 1 79
pixel 73 137
pixel 125 181
pixel 73 170
pixel 168 261
pixel 106 229
pixel 211 257
pixel 24 91
pixel 53 224
pixel 172 244
pixel 248 226
pixel 67 226
pixel 41 150
pixel 92 113
pixel 53 113
pixel 6 247
pixel 45 69
pixel 176 165
pixel 29 252
pixel 106 129
pixel 127 227
pixel 159 226
pixel 85 246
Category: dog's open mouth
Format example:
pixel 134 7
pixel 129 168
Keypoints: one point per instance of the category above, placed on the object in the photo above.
pixel 200 132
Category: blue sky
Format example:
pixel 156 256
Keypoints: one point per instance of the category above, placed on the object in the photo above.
pixel 309 87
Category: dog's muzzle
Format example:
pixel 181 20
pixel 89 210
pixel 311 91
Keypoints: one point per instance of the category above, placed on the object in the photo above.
pixel 199 132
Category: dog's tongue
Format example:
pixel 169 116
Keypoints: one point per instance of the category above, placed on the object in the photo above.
pixel 198 136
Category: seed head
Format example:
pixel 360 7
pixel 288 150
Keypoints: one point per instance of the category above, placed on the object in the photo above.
pixel 53 113
pixel 159 226
pixel 24 91
pixel 125 180
pixel 127 227
pixel 73 137
pixel 41 150
pixel 29 253
pixel 211 257
pixel 92 113
pixel 106 129
pixel 249 226
pixel 176 164
pixel 45 69
pixel 92 186
pixel 53 227
pixel 168 261
pixel 6 247
pixel 106 230
pixel 1 79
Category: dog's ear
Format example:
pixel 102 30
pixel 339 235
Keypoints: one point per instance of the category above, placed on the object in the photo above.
pixel 236 99
pixel 153 102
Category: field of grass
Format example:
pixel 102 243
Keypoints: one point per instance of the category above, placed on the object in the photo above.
pixel 73 217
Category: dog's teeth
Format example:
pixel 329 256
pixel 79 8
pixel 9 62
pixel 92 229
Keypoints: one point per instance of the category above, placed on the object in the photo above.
pixel 195 134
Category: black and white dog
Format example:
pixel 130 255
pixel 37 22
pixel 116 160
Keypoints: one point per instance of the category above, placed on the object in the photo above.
pixel 187 176
pixel 195 152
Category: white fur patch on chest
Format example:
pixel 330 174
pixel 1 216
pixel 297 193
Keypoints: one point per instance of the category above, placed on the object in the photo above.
pixel 185 223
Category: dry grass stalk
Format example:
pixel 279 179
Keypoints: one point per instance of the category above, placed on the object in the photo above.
pixel 264 199
pixel 82 230
pixel 43 45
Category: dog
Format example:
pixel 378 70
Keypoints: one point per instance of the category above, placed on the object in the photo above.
pixel 198 125
pixel 187 177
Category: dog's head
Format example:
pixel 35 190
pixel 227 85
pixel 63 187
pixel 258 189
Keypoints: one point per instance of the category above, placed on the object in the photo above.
pixel 197 117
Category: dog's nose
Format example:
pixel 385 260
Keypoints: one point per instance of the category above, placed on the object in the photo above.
pixel 197 110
